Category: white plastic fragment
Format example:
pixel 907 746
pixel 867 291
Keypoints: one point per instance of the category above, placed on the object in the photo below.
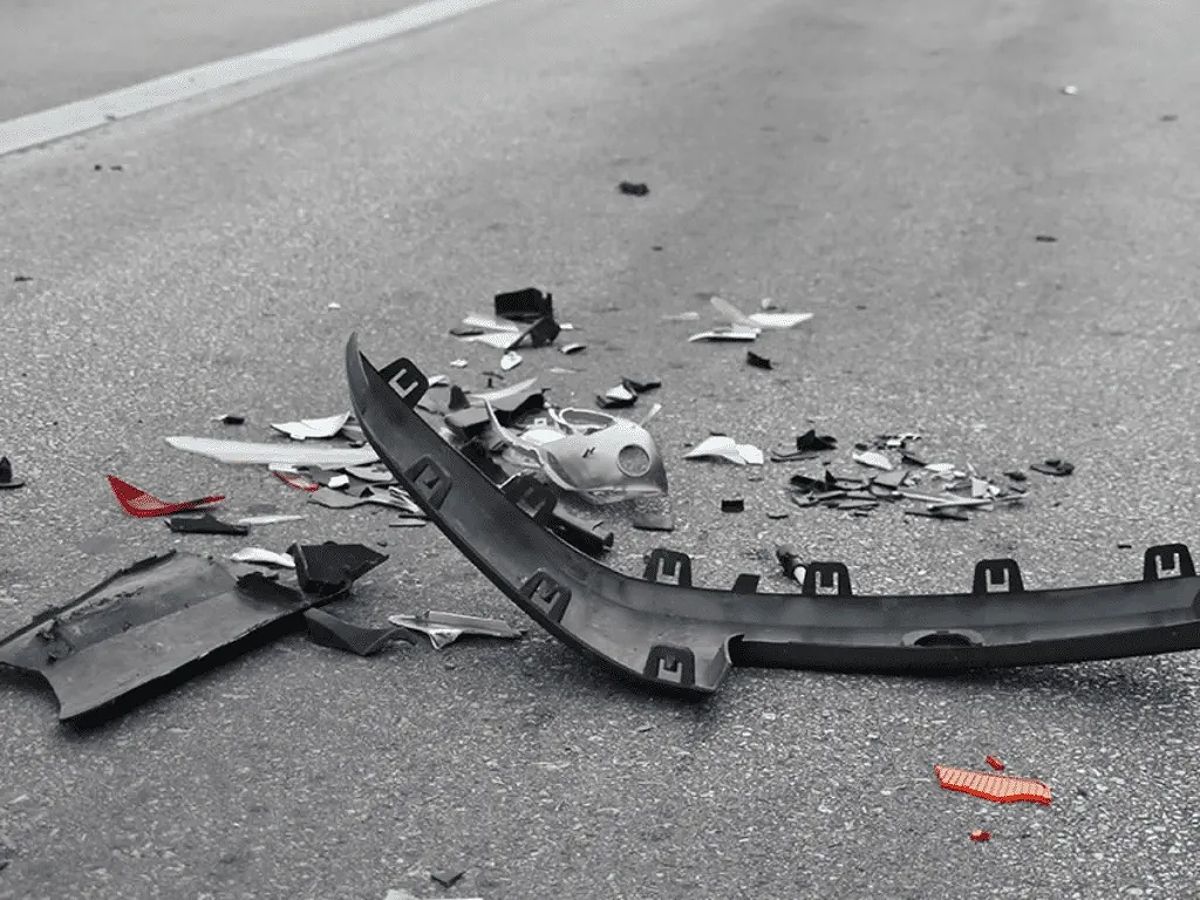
pixel 499 340
pixel 438 380
pixel 269 519
pixel 571 348
pixel 733 333
pixel 690 316
pixel 260 557
pixel 445 628
pixel 620 394
pixel 333 305
pixel 770 321
pixel 339 481
pixel 1070 90
pixel 724 447
pixel 510 360
pixel 458 363
pixel 250 453
pixel 303 429
pixel 503 393
pixel 479 320
pixel 874 459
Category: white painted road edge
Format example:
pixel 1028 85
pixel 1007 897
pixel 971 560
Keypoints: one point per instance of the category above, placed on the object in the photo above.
pixel 83 115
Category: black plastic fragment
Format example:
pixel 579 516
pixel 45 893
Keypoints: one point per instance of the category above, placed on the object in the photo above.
pixel 458 399
pixel 608 401
pixel 733 504
pixel 1059 467
pixel 329 569
pixel 683 639
pixel 759 362
pixel 1016 475
pixel 526 305
pixel 510 409
pixel 231 419
pixel 7 481
pixel 633 188
pixel 810 441
pixel 948 513
pixel 469 422
pixel 204 523
pixel 639 384
pixel 539 334
pixel 792 566
pixel 332 631
pixel 1045 239
pixel 911 458
pixel 448 878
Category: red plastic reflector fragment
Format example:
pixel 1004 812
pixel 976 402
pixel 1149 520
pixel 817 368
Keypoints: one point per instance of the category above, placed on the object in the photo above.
pixel 979 835
pixel 994 763
pixel 138 503
pixel 297 481
pixel 997 788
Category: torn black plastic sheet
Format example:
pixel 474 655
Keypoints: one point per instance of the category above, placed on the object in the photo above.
pixel 332 631
pixel 161 617
pixel 661 631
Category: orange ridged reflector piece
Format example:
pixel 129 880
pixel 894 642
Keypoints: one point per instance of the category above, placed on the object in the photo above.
pixel 994 763
pixel 988 786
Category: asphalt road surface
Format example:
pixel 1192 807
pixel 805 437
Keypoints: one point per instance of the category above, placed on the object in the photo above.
pixel 884 166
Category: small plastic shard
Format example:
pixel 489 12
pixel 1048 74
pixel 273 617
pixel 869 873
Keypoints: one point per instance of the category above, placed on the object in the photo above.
pixel 894 479
pixel 724 447
pixel 298 454
pixel 1058 467
pixel 458 363
pixel 448 878
pixel 910 458
pixel 466 423
pixel 445 628
pixel 980 836
pixel 811 441
pixel 510 360
pixel 758 362
pixel 640 384
pixel 329 569
pixel 1045 239
pixel 332 631
pixel 1016 476
pixel 333 305
pixel 988 786
pixel 940 468
pixel 568 349
pixel 793 568
pixel 689 316
pixel 653 521
pixel 317 429
pixel 269 519
pixel 732 333
pixel 1070 90
pixel 337 482
pixel 632 189
pixel 296 480
pixel 230 419
pixel 142 505
pixel 497 340
pixel 205 523
pixel 257 556
pixel 941 513
pixel 618 397
pixel 499 394
pixel 526 305
pixel 733 504
pixel 874 459
pixel 762 321
pixel 7 481
pixel 374 474
pixel 994 763
pixel 334 499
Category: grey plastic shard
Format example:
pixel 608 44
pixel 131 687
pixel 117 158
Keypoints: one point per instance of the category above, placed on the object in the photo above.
pixel 602 458
pixel 298 454
pixel 445 628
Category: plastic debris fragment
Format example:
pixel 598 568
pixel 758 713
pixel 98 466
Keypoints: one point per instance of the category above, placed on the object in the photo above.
pixel 294 479
pixel 1070 90
pixel 732 333
pixel 617 397
pixel 1045 239
pixel 332 631
pixel 640 384
pixel 304 429
pixel 758 362
pixel 298 454
pixel 763 321
pixel 445 628
pixel 143 505
pixel 793 568
pixel 653 521
pixel 689 316
pixel 510 361
pixel 874 459
pixel 205 523
pixel 980 836
pixel 724 447
pixel 601 457
pixel 7 481
pixel 994 763
pixel 257 556
pixel 448 878
pixel 997 788
pixel 526 305
pixel 733 504
pixel 269 519
pixel 329 569
pixel 631 189
pixel 1059 467
pixel 230 419
pixel 572 348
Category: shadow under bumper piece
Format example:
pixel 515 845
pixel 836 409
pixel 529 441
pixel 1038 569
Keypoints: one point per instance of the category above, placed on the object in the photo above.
pixel 662 631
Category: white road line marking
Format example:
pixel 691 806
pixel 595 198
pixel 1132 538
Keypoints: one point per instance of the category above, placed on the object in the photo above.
pixel 94 112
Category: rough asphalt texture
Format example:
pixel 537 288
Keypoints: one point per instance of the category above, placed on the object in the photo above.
pixel 885 166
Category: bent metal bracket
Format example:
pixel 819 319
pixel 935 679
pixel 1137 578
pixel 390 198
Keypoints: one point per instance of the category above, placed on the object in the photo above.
pixel 664 632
